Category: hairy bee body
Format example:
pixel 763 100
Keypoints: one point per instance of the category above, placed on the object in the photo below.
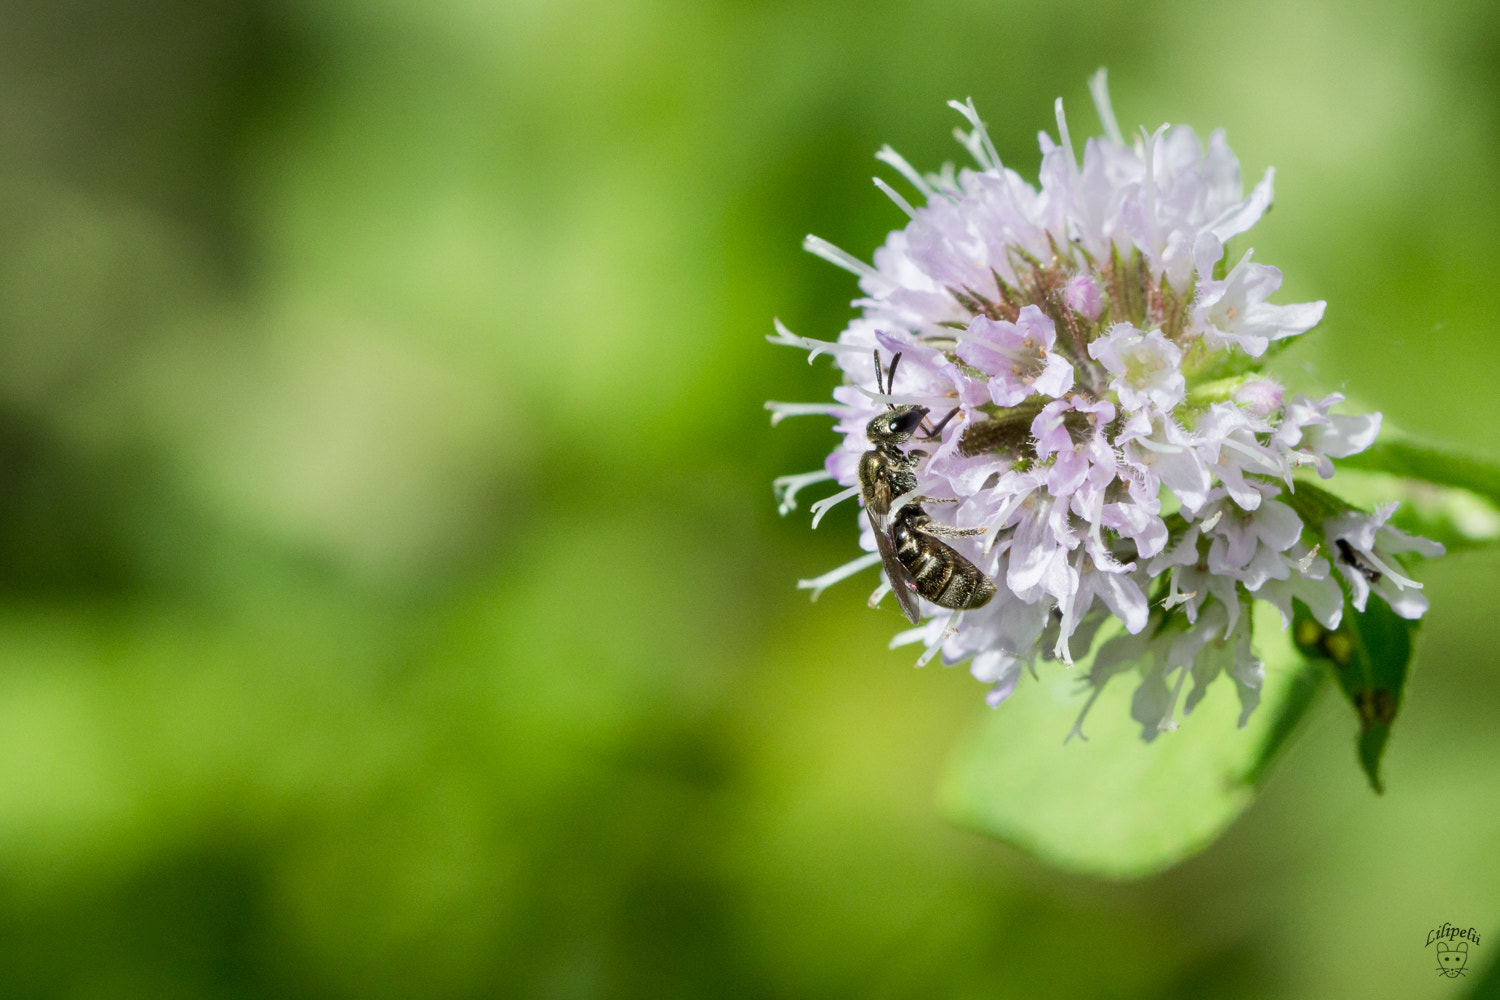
pixel 885 473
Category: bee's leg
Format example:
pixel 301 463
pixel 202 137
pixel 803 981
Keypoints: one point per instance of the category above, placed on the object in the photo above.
pixel 922 499
pixel 937 429
pixel 939 530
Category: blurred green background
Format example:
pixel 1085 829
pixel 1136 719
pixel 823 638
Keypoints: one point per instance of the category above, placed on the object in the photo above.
pixel 392 598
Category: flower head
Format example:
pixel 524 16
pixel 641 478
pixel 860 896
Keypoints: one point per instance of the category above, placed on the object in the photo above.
pixel 1110 448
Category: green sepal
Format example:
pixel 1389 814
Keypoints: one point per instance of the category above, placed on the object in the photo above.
pixel 1369 655
pixel 1200 364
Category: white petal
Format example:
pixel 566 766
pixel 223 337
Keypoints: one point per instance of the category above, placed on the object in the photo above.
pixel 1247 213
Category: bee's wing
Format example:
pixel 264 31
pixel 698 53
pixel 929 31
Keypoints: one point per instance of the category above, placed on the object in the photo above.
pixel 902 584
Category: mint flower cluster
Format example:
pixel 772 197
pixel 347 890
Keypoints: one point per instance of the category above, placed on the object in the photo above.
pixel 1112 432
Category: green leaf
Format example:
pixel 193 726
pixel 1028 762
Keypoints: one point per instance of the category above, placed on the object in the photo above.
pixel 1113 805
pixel 1369 655
pixel 1301 691
pixel 1403 456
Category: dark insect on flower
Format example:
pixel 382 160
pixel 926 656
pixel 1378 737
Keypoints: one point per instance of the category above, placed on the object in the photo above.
pixel 916 561
pixel 1352 558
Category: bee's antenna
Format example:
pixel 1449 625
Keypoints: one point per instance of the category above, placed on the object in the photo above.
pixel 890 377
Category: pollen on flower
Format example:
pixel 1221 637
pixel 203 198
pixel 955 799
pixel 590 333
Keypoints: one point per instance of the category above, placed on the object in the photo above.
pixel 1097 440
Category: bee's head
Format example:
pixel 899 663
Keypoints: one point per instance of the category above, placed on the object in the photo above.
pixel 896 425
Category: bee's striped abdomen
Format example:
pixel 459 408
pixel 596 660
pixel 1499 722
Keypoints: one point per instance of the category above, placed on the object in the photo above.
pixel 941 575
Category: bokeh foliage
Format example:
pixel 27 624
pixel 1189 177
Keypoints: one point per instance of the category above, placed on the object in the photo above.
pixel 392 602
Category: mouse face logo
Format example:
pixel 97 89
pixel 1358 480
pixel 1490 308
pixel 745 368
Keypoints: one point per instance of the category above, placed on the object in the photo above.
pixel 1451 960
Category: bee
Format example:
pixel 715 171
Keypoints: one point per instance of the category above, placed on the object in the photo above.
pixel 916 561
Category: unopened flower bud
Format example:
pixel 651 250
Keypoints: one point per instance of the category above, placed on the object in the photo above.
pixel 1083 295
pixel 1260 398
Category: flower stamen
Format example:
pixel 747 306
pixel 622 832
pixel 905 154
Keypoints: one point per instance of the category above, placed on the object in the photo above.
pixel 818 584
